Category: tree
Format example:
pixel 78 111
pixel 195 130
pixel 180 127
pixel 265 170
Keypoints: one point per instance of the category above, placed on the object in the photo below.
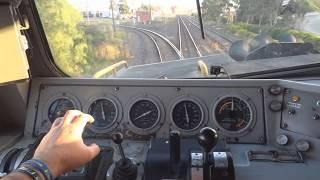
pixel 314 4
pixel 123 7
pixel 213 8
pixel 66 40
pixel 145 7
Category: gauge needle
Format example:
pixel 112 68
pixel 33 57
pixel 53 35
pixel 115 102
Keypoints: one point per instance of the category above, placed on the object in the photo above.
pixel 232 105
pixel 187 115
pixel 143 115
pixel 102 112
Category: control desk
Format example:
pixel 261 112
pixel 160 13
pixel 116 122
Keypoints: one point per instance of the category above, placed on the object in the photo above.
pixel 182 129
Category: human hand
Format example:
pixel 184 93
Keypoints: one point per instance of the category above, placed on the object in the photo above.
pixel 63 149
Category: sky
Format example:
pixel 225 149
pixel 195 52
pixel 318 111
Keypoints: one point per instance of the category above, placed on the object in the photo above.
pixel 100 5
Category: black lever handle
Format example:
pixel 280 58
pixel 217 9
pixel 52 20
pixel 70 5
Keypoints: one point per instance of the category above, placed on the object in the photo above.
pixel 117 139
pixel 174 147
pixel 207 139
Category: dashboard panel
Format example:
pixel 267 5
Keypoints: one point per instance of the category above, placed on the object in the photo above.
pixel 269 126
pixel 142 111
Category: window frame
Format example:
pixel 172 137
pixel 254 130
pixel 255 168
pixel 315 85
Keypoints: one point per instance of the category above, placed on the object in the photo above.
pixel 48 60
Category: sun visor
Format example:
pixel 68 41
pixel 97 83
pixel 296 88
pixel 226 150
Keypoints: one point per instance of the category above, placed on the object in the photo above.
pixel 13 45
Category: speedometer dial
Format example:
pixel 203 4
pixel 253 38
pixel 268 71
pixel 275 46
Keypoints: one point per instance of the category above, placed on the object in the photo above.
pixel 59 107
pixel 144 114
pixel 233 114
pixel 104 112
pixel 187 115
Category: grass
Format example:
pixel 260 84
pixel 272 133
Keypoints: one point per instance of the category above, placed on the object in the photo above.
pixel 250 31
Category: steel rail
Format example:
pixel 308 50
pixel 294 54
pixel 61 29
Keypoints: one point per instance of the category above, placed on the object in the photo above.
pixel 179 54
pixel 191 37
pixel 211 30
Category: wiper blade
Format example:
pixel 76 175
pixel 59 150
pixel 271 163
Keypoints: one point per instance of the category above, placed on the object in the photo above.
pixel 200 19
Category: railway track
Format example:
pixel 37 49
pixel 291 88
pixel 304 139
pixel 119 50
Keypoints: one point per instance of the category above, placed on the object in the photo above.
pixel 152 35
pixel 223 39
pixel 187 34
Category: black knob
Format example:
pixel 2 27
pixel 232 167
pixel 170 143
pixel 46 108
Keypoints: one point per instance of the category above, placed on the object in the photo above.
pixel 117 138
pixel 207 138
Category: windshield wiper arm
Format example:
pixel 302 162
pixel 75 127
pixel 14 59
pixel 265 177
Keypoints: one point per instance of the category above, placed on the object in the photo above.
pixel 200 19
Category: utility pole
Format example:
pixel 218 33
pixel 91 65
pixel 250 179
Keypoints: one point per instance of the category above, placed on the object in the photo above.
pixel 112 14
pixel 88 12
pixel 150 11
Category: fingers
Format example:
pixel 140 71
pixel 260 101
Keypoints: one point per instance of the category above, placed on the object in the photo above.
pixel 57 122
pixel 71 116
pixel 93 151
pixel 82 121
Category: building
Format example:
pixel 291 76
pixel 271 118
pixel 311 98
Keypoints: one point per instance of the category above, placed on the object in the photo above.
pixel 143 16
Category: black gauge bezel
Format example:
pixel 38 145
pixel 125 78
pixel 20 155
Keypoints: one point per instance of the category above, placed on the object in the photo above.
pixel 76 103
pixel 202 107
pixel 156 125
pixel 243 131
pixel 115 122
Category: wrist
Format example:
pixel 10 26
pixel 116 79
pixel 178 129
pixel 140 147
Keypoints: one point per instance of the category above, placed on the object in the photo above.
pixel 53 166
pixel 17 176
pixel 36 169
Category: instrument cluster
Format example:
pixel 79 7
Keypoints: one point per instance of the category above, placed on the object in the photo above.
pixel 145 115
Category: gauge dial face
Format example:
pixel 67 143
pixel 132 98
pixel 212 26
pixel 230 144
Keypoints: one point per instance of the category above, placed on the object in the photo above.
pixel 104 112
pixel 144 114
pixel 187 115
pixel 233 114
pixel 59 107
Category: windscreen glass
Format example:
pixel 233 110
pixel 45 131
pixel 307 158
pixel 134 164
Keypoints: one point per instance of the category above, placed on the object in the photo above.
pixel 95 38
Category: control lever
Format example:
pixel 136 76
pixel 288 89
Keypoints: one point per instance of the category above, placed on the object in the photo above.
pixel 117 139
pixel 105 161
pixel 207 139
pixel 174 140
pixel 124 168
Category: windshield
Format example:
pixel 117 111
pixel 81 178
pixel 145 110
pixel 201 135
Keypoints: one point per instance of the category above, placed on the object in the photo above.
pixel 92 38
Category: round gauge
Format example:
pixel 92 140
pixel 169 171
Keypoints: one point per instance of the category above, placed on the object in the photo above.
pixel 233 114
pixel 187 115
pixel 59 107
pixel 104 112
pixel 144 114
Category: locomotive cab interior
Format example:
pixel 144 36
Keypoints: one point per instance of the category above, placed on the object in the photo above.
pixel 180 98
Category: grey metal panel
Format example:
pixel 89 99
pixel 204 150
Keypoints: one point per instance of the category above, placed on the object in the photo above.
pixel 189 68
pixel 207 91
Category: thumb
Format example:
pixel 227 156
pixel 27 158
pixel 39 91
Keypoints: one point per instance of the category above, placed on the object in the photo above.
pixel 93 150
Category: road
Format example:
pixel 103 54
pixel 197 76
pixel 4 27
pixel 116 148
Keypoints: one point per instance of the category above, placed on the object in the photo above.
pixel 312 23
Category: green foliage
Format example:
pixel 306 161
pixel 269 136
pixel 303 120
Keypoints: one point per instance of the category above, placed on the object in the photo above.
pixel 314 4
pixel 236 29
pixel 250 31
pixel 124 8
pixel 67 42
pixel 79 48
pixel 106 47
pixel 144 7
pixel 213 8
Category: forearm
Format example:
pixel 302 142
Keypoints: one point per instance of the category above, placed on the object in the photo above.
pixel 17 176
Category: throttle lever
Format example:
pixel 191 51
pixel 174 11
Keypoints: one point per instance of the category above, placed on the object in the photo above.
pixel 207 139
pixel 105 161
pixel 117 139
